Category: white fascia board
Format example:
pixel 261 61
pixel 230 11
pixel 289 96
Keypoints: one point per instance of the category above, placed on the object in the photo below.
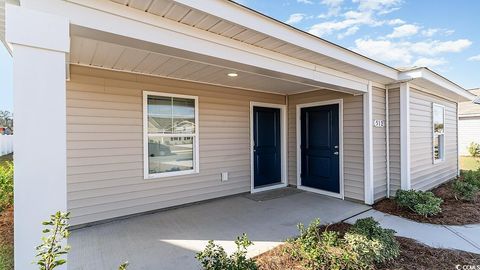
pixel 48 32
pixel 426 74
pixel 144 27
pixel 253 20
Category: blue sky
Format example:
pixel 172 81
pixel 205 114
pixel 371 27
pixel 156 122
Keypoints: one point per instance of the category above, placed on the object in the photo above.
pixel 443 35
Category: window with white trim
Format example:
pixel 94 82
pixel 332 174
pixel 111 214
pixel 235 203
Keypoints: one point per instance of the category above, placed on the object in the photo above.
pixel 438 133
pixel 170 134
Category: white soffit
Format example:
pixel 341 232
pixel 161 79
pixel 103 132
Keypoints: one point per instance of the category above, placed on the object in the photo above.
pixel 215 24
pixel 101 54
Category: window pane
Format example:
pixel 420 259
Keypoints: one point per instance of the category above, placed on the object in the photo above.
pixel 438 119
pixel 159 115
pixel 183 115
pixel 170 154
pixel 438 146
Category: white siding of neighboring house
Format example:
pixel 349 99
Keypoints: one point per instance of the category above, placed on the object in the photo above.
pixel 379 145
pixel 352 138
pixel 468 132
pixel 394 130
pixel 424 174
pixel 105 144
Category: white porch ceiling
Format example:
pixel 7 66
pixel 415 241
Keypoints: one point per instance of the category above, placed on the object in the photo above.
pixel 101 54
pixel 204 21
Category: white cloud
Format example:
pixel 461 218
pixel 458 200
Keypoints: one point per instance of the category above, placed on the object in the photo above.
pixel 429 62
pixel 351 19
pixel 295 18
pixel 350 31
pixel 474 58
pixel 396 22
pixel 430 32
pixel 403 53
pixel 381 6
pixel 334 8
pixel 305 2
pixel 404 31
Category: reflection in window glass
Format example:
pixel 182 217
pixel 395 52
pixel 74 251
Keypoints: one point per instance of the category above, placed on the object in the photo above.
pixel 438 132
pixel 170 154
pixel 171 134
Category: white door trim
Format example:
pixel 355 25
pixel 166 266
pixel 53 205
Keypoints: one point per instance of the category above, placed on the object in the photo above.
pixel 283 142
pixel 340 195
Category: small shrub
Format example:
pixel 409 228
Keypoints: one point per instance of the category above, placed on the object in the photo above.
pixel 371 229
pixel 464 190
pixel 6 185
pixel 472 177
pixel 420 202
pixel 214 257
pixel 51 251
pixel 364 244
pixel 474 149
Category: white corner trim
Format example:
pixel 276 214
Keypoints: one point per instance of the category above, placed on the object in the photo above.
pixel 368 145
pixel 283 142
pixel 298 109
pixel 458 140
pixel 45 31
pixel 405 136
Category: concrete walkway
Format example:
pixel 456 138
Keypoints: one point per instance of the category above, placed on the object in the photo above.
pixel 168 240
pixel 465 238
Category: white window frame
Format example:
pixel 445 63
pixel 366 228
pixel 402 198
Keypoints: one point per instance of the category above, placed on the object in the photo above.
pixel 196 155
pixel 442 155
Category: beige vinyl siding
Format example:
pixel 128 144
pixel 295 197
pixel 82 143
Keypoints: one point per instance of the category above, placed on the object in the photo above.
pixel 468 132
pixel 352 138
pixel 394 130
pixel 379 145
pixel 105 144
pixel 425 174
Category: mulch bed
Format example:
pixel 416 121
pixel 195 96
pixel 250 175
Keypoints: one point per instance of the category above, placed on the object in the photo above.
pixel 453 212
pixel 6 227
pixel 413 255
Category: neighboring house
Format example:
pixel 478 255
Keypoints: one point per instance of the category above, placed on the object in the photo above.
pixel 469 123
pixel 154 104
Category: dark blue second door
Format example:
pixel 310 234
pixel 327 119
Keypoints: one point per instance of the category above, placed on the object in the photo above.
pixel 267 146
pixel 320 148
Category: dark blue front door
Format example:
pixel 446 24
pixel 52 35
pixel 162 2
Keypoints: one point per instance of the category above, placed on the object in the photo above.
pixel 267 146
pixel 320 148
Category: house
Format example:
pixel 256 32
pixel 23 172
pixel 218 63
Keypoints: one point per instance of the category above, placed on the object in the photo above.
pixel 154 104
pixel 469 123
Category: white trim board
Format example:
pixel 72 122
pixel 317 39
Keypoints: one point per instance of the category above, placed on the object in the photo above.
pixel 368 145
pixel 405 136
pixel 283 142
pixel 340 195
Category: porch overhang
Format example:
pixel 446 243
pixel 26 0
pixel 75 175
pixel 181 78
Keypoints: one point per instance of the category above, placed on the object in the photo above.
pixel 139 30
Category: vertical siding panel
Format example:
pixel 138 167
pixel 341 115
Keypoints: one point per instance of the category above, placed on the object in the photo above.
pixel 353 139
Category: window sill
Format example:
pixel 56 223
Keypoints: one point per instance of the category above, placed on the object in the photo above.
pixel 169 174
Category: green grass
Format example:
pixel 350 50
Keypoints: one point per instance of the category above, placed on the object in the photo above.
pixel 6 257
pixel 3 160
pixel 469 163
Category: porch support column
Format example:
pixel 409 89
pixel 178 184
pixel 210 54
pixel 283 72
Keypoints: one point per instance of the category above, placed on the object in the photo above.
pixel 405 136
pixel 40 42
pixel 368 145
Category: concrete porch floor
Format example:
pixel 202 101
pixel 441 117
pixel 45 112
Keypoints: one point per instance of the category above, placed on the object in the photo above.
pixel 168 240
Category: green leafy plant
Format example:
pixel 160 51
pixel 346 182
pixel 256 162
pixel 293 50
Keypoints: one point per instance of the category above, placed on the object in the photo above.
pixel 51 251
pixel 364 244
pixel 123 266
pixel 472 177
pixel 464 190
pixel 387 247
pixel 6 185
pixel 420 202
pixel 474 149
pixel 214 257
